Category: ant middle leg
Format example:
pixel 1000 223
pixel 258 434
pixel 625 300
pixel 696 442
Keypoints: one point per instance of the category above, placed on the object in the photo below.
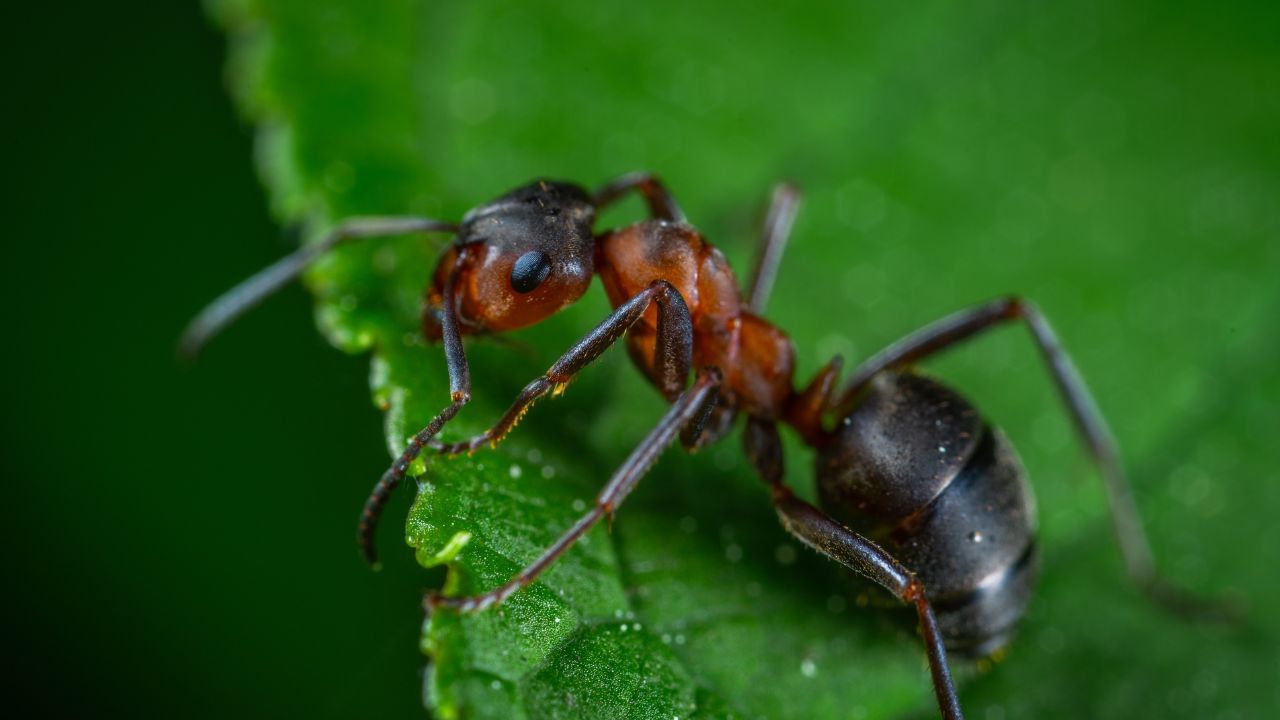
pixel 784 203
pixel 820 531
pixel 1085 415
pixel 689 410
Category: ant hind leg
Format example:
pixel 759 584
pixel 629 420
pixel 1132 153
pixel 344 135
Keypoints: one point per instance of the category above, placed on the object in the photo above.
pixel 1083 411
pixel 816 529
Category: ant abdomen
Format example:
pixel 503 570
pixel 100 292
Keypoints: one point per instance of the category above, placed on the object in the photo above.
pixel 914 467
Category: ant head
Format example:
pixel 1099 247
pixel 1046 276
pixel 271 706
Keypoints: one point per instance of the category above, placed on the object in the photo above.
pixel 521 257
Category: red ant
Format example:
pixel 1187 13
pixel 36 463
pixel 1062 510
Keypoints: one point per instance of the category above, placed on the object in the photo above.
pixel 918 493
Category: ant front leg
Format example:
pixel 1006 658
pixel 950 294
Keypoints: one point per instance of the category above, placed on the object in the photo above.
pixel 674 355
pixel 1082 408
pixel 816 529
pixel 459 394
pixel 690 409
pixel 220 313
pixel 662 206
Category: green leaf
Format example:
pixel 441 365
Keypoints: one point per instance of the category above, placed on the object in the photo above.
pixel 1086 159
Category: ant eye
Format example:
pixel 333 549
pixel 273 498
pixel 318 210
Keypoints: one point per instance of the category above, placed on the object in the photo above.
pixel 529 271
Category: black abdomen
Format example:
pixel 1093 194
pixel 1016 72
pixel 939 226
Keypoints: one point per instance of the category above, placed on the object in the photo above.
pixel 914 467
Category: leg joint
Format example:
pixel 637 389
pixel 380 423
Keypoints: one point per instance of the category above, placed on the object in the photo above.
pixel 663 290
pixel 914 593
pixel 1012 306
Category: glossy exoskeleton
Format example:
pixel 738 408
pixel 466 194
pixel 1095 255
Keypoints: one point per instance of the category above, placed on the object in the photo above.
pixel 917 492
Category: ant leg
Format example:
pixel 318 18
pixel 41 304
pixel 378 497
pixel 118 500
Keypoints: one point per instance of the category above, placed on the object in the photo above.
pixel 805 411
pixel 783 206
pixel 220 313
pixel 673 356
pixel 1082 408
pixel 662 206
pixel 690 408
pixel 824 534
pixel 459 395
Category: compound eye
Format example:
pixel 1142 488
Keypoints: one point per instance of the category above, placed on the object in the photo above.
pixel 529 271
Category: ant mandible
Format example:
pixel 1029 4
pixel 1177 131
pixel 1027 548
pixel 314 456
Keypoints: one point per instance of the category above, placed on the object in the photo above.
pixel 917 492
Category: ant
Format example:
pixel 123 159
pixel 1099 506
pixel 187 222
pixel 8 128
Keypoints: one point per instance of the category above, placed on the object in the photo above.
pixel 917 492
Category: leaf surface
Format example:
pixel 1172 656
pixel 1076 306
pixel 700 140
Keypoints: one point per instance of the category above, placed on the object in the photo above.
pixel 949 154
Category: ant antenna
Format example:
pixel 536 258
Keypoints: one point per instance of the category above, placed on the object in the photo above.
pixel 220 313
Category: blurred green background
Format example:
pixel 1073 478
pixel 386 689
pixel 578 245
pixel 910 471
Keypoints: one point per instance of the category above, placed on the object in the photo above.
pixel 183 537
